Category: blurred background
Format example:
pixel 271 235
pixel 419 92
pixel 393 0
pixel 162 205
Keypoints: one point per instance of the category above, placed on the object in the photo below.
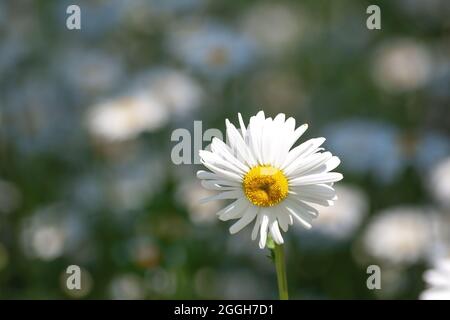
pixel 86 118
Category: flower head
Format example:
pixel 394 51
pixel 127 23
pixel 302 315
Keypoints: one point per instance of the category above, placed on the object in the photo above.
pixel 398 235
pixel 269 180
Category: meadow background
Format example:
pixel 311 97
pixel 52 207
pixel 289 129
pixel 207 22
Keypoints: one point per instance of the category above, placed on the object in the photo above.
pixel 86 118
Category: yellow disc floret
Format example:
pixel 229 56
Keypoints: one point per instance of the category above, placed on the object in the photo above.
pixel 265 186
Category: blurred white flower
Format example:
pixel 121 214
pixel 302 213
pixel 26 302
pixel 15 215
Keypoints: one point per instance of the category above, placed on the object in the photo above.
pixel 367 146
pixel 401 65
pixel 127 287
pixel 439 182
pixel 125 117
pixel 211 48
pixel 175 90
pixel 50 232
pixel 438 282
pixel 341 221
pixel 274 27
pixel 399 235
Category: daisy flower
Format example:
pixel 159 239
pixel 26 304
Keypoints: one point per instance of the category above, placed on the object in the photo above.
pixel 399 235
pixel 270 181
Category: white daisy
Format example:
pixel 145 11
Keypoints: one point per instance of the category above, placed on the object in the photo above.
pixel 438 281
pixel 276 28
pixel 401 65
pixel 399 235
pixel 126 117
pixel 269 181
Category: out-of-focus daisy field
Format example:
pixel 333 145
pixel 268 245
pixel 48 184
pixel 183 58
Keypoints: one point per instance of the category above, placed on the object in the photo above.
pixel 86 119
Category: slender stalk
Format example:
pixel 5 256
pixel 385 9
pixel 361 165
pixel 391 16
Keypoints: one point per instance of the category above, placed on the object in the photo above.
pixel 280 266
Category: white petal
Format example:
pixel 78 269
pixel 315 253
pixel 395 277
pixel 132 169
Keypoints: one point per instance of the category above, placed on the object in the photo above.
pixel 256 227
pixel 234 210
pixel 238 145
pixel 300 218
pixel 263 230
pixel 316 200
pixel 213 159
pixel 275 232
pixel 255 133
pixel 310 210
pixel 316 190
pixel 213 185
pixel 221 183
pixel 290 125
pixel 260 115
pixel 241 123
pixel 332 163
pixel 327 167
pixel 279 119
pixel 303 216
pixel 297 134
pixel 235 194
pixel 299 168
pixel 248 217
pixel 283 130
pixel 224 151
pixel 303 150
pixel 267 146
pixel 283 221
pixel 314 147
pixel 202 174
pixel 316 179
pixel 224 174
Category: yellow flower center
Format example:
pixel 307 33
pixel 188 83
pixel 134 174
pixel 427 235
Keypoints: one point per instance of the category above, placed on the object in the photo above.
pixel 265 186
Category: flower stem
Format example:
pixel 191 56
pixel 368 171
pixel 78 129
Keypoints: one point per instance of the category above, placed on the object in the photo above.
pixel 280 266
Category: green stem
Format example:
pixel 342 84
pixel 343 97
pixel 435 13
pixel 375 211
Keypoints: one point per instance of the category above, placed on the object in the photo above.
pixel 278 254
